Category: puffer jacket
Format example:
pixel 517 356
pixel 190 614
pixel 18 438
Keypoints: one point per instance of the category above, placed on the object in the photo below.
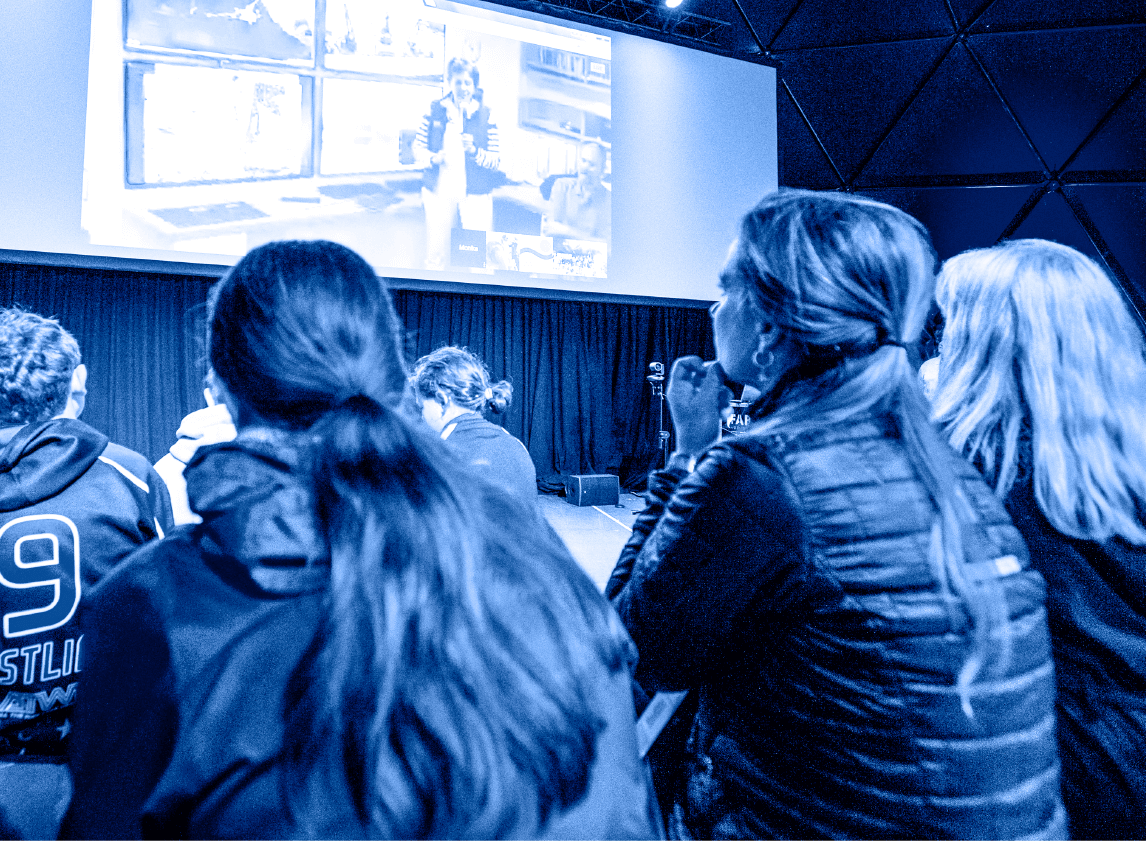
pixel 787 581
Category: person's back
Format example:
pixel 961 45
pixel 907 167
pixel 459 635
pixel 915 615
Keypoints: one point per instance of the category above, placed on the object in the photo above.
pixel 1042 385
pixel 857 613
pixel 72 506
pixel 454 389
pixel 887 749
pixel 359 639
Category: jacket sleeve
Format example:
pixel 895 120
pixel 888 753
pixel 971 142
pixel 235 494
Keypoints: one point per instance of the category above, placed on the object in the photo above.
pixel 126 716
pixel 661 485
pixel 709 560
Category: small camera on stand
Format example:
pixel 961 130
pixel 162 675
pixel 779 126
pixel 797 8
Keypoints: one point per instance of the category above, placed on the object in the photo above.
pixel 656 372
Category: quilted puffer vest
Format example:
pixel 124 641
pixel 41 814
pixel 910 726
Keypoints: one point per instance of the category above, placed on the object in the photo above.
pixel 842 718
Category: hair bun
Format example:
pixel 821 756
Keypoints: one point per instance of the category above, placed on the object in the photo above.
pixel 498 395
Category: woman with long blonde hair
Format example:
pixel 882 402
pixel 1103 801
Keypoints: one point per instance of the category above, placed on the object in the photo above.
pixel 1042 385
pixel 846 597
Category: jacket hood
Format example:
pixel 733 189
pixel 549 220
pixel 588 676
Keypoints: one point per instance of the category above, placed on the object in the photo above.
pixel 42 459
pixel 258 508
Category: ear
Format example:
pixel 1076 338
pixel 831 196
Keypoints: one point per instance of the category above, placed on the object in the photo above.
pixel 77 393
pixel 768 338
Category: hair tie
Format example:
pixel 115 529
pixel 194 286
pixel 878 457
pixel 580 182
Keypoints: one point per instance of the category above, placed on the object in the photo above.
pixel 489 394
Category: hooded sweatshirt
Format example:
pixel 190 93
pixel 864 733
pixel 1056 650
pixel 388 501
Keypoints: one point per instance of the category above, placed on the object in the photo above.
pixel 210 425
pixel 72 505
pixel 196 640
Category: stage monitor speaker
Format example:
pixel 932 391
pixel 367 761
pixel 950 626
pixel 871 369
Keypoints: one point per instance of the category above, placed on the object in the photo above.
pixel 592 489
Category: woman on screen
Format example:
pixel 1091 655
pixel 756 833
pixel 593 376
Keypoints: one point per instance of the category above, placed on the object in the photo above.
pixel 845 594
pixel 461 140
pixel 1042 384
pixel 359 640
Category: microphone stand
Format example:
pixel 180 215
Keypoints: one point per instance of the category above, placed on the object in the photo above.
pixel 657 381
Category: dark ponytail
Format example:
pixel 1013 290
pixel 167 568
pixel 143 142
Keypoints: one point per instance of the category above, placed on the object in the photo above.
pixel 444 636
pixel 449 688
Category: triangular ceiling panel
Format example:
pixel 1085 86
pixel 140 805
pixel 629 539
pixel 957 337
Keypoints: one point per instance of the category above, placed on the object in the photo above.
pixel 1004 15
pixel 1053 219
pixel 1093 67
pixel 824 23
pixel 1120 145
pixel 767 16
pixel 959 217
pixel 851 95
pixel 956 128
pixel 1119 212
pixel 802 161
pixel 968 10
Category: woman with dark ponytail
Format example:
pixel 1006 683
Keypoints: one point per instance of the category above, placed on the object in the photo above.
pixel 359 640
pixel 847 597
pixel 454 389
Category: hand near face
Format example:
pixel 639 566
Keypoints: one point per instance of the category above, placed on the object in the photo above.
pixel 696 397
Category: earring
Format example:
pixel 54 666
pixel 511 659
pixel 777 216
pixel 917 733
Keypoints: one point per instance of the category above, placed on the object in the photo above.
pixel 763 366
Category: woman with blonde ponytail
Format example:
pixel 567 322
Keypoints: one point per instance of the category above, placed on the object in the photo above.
pixel 360 639
pixel 1042 385
pixel 850 601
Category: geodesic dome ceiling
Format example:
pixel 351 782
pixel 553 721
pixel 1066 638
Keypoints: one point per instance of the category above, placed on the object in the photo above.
pixel 986 119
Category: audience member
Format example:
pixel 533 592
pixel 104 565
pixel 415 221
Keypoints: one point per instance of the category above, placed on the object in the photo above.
pixel 358 640
pixel 72 505
pixel 453 388
pixel 847 596
pixel 1042 384
pixel 209 425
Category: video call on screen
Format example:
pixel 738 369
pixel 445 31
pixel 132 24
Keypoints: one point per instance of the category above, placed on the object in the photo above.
pixel 215 127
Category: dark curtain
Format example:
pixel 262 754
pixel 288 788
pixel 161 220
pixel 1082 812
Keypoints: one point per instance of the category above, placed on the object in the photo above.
pixel 139 339
pixel 581 402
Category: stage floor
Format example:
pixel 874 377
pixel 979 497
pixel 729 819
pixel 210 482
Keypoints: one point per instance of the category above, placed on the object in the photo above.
pixel 595 534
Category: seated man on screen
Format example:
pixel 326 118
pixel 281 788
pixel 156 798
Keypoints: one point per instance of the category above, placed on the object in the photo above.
pixel 72 505
pixel 580 206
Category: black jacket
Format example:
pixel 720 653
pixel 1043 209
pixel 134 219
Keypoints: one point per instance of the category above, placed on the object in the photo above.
pixel 494 454
pixel 193 644
pixel 480 180
pixel 1096 604
pixel 72 506
pixel 787 581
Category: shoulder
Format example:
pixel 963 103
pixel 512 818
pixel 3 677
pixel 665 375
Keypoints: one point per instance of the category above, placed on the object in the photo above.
pixel 135 596
pixel 736 486
pixel 740 461
pixel 132 466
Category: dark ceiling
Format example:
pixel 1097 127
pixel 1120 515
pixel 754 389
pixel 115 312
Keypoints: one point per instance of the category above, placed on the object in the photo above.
pixel 987 119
